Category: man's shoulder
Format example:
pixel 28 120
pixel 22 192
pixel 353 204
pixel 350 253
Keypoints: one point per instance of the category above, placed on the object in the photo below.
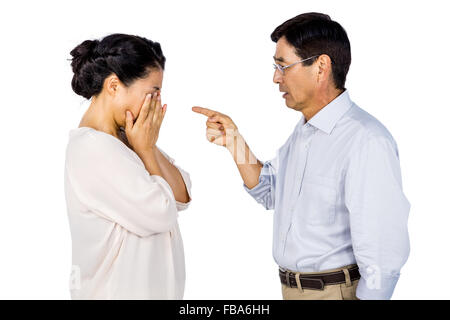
pixel 365 125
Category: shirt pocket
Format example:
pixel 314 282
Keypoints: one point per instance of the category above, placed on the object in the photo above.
pixel 317 200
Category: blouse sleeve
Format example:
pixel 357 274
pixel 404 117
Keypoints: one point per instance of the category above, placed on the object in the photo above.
pixel 112 181
pixel 186 179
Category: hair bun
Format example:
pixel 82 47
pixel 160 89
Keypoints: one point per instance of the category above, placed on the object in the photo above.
pixel 82 53
pixel 128 57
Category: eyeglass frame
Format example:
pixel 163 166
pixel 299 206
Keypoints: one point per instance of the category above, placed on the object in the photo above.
pixel 280 68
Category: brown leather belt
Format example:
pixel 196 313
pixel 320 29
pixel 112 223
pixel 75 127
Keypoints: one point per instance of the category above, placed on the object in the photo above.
pixel 317 281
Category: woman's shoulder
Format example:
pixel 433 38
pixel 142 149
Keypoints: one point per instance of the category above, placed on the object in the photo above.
pixel 84 138
pixel 88 142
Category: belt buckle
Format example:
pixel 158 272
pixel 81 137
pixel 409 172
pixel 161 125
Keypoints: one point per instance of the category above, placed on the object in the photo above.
pixel 322 284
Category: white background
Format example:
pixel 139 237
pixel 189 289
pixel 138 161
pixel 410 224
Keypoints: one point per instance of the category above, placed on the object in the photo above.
pixel 219 55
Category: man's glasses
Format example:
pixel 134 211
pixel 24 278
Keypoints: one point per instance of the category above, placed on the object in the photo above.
pixel 276 66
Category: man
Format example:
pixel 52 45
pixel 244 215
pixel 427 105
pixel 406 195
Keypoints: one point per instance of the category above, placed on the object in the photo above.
pixel 340 219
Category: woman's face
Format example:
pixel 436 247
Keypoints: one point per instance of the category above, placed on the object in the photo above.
pixel 132 97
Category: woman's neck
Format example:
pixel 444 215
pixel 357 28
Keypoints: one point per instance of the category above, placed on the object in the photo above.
pixel 99 117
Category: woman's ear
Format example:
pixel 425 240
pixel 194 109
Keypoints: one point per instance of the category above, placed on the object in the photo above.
pixel 111 85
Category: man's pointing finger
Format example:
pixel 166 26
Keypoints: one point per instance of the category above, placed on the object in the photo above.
pixel 204 111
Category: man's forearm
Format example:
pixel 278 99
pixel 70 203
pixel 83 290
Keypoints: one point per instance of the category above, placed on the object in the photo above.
pixel 248 165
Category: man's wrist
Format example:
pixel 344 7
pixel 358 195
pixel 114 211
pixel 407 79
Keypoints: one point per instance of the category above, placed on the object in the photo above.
pixel 238 149
pixel 232 140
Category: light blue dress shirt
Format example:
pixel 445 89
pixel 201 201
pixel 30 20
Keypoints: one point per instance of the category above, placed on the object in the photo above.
pixel 336 190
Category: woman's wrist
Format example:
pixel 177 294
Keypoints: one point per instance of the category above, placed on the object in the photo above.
pixel 148 157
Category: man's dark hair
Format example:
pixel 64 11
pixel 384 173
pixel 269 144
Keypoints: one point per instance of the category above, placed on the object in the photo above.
pixel 315 34
pixel 129 57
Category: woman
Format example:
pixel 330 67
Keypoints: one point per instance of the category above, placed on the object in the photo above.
pixel 123 192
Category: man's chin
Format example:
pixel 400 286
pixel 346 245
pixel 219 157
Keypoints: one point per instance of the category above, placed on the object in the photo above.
pixel 289 104
pixel 293 106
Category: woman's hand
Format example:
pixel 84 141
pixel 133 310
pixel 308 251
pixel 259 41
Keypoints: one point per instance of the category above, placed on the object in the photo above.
pixel 143 134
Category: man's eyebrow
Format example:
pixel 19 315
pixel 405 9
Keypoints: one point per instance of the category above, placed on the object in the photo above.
pixel 279 59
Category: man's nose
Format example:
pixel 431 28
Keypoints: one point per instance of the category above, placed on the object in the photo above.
pixel 277 77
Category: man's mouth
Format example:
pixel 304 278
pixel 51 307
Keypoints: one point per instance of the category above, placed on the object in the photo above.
pixel 284 93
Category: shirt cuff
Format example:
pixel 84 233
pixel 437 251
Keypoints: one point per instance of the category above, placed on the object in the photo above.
pixel 259 191
pixel 255 192
pixel 376 289
pixel 251 191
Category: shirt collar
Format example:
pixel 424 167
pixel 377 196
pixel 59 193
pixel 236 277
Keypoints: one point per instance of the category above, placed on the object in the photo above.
pixel 326 119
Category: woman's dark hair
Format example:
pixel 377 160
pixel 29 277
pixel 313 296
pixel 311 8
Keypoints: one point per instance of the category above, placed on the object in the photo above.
pixel 315 34
pixel 129 57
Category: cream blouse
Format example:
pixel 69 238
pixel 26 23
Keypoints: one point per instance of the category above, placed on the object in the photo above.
pixel 126 243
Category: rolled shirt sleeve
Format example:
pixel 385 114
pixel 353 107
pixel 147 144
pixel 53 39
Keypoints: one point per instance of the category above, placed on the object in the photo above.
pixel 264 191
pixel 112 182
pixel 379 213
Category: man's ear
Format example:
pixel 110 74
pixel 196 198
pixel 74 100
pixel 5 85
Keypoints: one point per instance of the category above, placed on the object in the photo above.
pixel 324 67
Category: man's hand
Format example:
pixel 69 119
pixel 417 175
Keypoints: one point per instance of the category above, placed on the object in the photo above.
pixel 220 129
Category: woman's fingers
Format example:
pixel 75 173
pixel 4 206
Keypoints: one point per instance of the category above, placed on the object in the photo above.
pixel 144 132
pixel 156 105
pixel 164 109
pixel 163 113
pixel 128 121
pixel 158 109
pixel 145 109
pixel 157 116
pixel 152 107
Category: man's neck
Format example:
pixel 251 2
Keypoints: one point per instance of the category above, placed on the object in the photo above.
pixel 319 101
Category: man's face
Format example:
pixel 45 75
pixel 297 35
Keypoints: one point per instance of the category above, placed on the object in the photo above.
pixel 298 82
